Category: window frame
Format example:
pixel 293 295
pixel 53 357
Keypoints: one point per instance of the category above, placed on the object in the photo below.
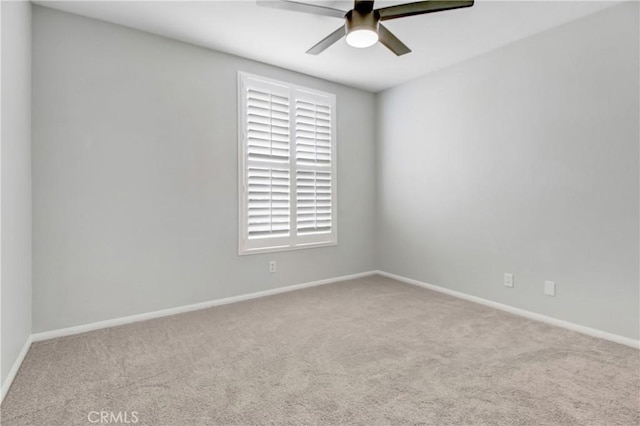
pixel 293 241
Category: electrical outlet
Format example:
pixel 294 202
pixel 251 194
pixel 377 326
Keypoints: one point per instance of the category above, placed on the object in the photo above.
pixel 508 280
pixel 549 288
pixel 272 266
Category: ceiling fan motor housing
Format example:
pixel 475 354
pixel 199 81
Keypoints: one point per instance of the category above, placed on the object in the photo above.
pixel 361 21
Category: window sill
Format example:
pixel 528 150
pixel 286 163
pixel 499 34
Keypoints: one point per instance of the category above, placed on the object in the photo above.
pixel 286 248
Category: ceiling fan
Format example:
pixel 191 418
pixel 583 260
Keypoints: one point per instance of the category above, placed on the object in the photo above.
pixel 362 23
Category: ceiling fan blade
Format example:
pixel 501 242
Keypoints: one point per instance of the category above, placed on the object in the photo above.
pixel 392 42
pixel 363 6
pixel 302 7
pixel 420 7
pixel 327 41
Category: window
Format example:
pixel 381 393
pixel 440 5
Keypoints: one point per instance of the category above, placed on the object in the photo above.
pixel 287 166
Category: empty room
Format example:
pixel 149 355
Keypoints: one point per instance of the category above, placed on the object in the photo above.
pixel 275 212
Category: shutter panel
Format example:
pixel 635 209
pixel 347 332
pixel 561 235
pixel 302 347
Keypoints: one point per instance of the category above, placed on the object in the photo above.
pixel 313 201
pixel 268 202
pixel 267 126
pixel 267 153
pixel 313 133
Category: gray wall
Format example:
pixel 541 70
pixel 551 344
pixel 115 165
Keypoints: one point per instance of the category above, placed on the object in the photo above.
pixel 135 176
pixel 15 278
pixel 522 160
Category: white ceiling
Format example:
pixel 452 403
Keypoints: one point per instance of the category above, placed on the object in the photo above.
pixel 281 37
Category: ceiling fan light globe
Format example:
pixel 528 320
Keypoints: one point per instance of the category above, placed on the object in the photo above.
pixel 362 38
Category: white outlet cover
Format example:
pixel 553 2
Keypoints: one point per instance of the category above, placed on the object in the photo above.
pixel 550 288
pixel 508 280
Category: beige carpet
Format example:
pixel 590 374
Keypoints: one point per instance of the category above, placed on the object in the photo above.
pixel 370 352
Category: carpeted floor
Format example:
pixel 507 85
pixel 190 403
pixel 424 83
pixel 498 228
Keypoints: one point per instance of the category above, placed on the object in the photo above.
pixel 370 352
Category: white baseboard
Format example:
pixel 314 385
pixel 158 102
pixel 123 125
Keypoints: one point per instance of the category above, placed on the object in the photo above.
pixel 520 312
pixel 14 369
pixel 46 335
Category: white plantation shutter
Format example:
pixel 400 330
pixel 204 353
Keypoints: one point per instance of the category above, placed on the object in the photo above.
pixel 287 166
pixel 313 128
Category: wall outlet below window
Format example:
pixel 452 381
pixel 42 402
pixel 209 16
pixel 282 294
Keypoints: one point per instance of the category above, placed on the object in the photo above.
pixel 549 288
pixel 272 266
pixel 508 280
